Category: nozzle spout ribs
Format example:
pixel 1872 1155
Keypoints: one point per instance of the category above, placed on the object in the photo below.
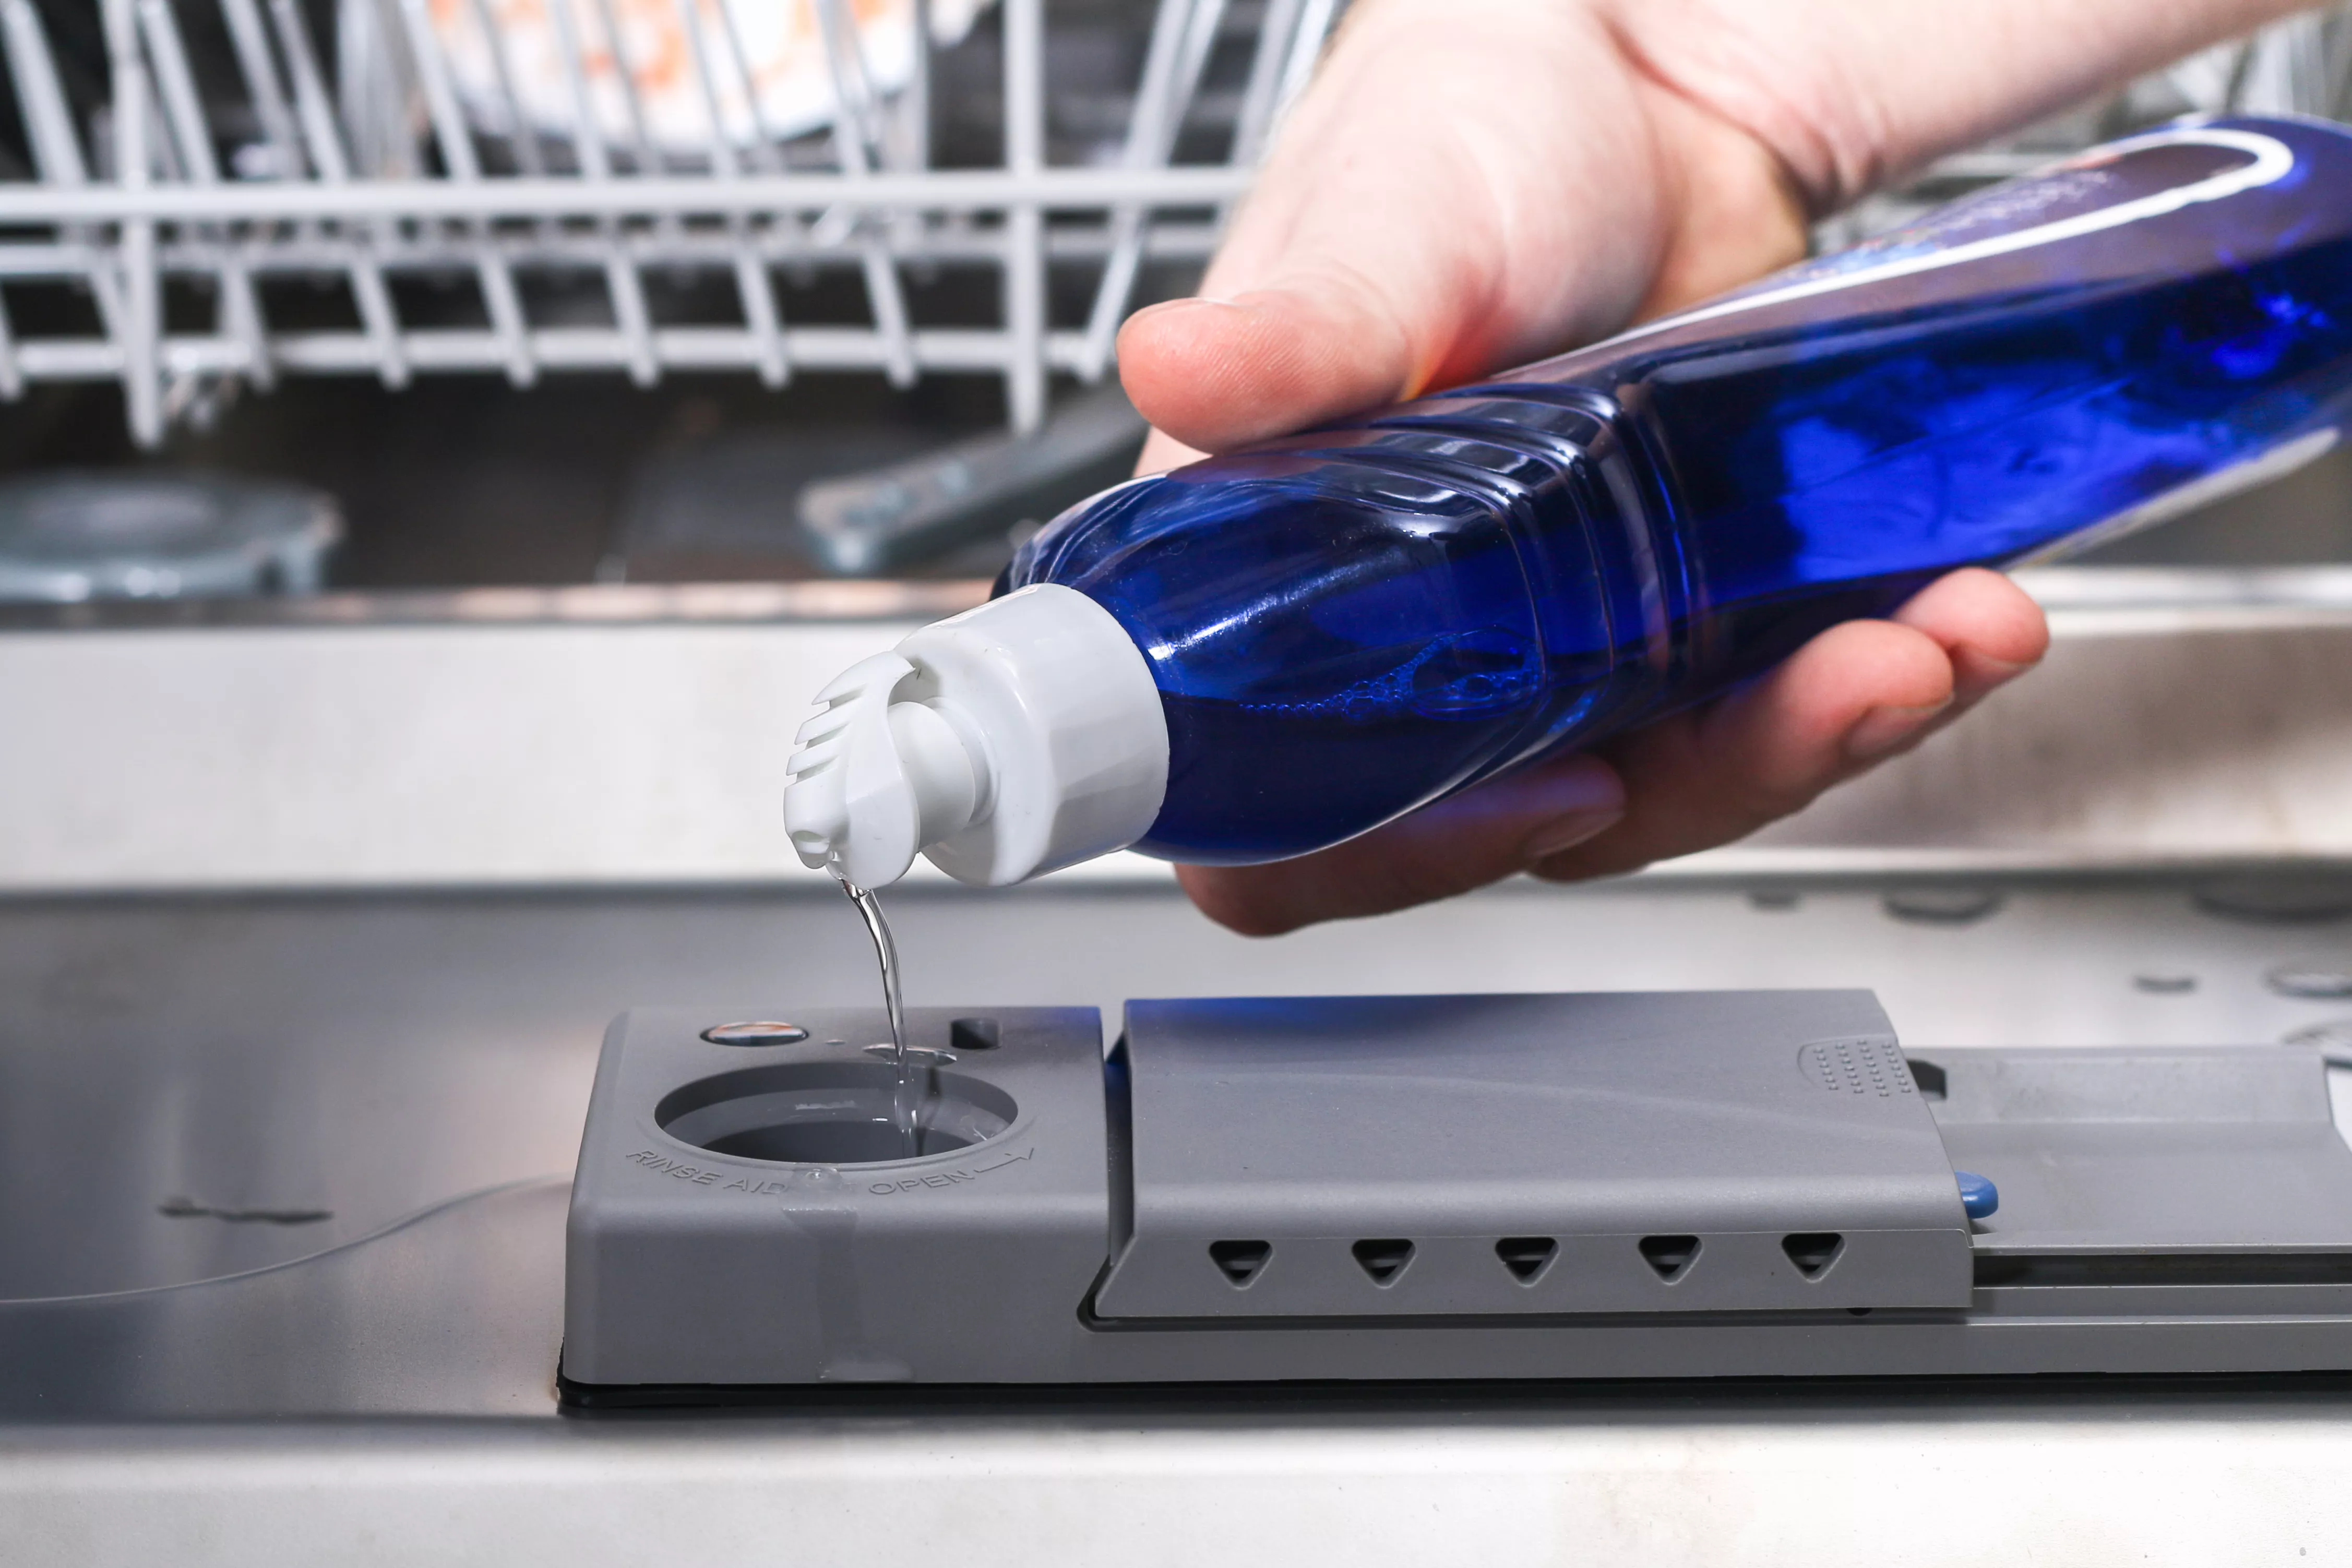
pixel 1008 741
pixel 874 779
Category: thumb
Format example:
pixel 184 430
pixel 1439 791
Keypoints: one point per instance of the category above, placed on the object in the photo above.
pixel 1437 205
pixel 1216 374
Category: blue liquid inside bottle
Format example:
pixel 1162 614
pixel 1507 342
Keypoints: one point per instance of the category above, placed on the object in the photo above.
pixel 1352 623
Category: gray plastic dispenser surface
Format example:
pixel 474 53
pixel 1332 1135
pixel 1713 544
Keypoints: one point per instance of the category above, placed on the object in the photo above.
pixel 688 1265
pixel 1713 1126
pixel 1684 1185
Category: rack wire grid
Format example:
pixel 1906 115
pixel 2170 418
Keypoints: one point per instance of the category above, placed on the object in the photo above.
pixel 178 162
pixel 410 149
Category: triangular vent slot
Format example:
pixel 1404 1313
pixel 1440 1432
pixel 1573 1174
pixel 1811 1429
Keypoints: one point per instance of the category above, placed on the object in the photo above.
pixel 1384 1259
pixel 1669 1255
pixel 1526 1256
pixel 1813 1251
pixel 1240 1261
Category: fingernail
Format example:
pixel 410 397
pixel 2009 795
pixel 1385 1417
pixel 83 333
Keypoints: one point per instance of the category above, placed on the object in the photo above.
pixel 1882 729
pixel 1189 302
pixel 1570 830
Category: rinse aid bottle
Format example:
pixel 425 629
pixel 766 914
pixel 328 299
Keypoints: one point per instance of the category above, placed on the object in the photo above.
pixel 1269 652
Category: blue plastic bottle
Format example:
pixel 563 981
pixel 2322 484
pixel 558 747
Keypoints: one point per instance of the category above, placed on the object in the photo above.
pixel 1350 623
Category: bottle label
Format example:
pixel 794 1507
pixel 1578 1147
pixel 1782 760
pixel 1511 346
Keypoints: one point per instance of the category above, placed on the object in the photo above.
pixel 2126 181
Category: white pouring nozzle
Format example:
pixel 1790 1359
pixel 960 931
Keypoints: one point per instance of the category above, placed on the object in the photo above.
pixel 1016 738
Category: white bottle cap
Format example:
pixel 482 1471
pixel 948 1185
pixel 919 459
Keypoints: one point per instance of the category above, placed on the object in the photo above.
pixel 1008 741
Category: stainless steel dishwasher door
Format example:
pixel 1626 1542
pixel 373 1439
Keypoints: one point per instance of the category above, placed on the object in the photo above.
pixel 304 1155
pixel 282 1171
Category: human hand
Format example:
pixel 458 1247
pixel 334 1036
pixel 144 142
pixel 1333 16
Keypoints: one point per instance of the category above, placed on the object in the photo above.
pixel 1471 184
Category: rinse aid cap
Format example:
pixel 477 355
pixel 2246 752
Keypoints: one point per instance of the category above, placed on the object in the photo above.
pixel 1012 739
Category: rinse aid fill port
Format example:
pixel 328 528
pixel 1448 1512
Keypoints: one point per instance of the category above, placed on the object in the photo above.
pixel 1650 1185
pixel 746 1214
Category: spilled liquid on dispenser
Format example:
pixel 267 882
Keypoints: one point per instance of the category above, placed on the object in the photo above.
pixel 906 1099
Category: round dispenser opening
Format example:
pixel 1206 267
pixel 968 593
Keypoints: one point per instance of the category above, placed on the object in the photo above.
pixel 831 1114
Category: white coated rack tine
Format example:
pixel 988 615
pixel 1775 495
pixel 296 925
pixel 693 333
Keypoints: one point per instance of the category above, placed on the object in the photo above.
pixel 1024 225
pixel 499 298
pixel 314 111
pixel 12 374
pixel 1262 93
pixel 844 74
pixel 449 128
pixel 917 97
pixel 1199 42
pixel 760 315
pixel 853 89
pixel 649 166
pixel 633 105
pixel 373 295
pixel 722 148
pixel 623 287
pixel 759 302
pixel 587 135
pixel 141 333
pixel 747 82
pixel 908 145
pixel 421 203
pixel 1181 39
pixel 250 43
pixel 241 317
pixel 630 316
pixel 175 85
pixel 844 57
pixel 530 157
pixel 890 320
pixel 768 327
pixel 523 135
pixel 1306 48
pixel 162 145
pixel 57 150
pixel 41 97
pixel 1169 22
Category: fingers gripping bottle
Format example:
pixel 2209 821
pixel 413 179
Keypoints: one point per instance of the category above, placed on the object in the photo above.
pixel 1269 652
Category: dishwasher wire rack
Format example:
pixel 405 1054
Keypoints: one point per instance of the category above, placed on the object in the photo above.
pixel 213 150
pixel 153 188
